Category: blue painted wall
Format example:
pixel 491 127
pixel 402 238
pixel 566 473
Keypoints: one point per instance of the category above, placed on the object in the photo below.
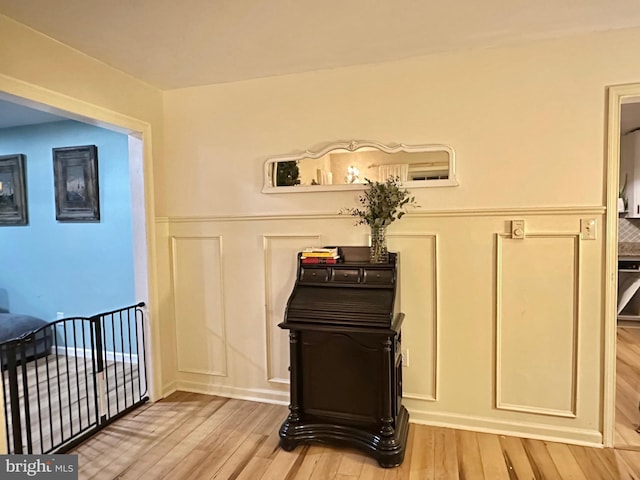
pixel 76 268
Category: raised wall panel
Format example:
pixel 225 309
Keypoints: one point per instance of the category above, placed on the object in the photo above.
pixel 199 305
pixel 280 257
pixel 418 299
pixel 537 323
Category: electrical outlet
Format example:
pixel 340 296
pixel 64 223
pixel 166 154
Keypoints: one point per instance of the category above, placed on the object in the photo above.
pixel 405 357
pixel 588 228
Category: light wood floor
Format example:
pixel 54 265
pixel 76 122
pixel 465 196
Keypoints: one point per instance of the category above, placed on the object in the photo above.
pixel 188 436
pixel 61 397
pixel 628 388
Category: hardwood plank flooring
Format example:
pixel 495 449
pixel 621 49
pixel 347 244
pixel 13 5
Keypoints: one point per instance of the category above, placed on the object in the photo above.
pixel 188 436
pixel 628 388
pixel 61 397
pixel 191 436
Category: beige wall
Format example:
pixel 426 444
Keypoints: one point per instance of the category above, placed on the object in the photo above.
pixel 527 124
pixel 504 335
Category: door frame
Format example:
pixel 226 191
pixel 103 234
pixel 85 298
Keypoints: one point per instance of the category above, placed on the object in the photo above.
pixel 617 95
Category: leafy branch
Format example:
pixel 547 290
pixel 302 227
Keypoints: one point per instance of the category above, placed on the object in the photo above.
pixel 382 203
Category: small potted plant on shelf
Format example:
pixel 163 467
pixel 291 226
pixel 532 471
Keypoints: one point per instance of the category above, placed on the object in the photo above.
pixel 380 205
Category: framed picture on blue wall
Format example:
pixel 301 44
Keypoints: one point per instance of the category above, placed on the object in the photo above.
pixel 75 173
pixel 13 190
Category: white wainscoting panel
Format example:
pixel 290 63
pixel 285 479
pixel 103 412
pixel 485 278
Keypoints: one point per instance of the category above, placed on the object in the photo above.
pixel 199 305
pixel 280 257
pixel 503 335
pixel 418 298
pixel 537 313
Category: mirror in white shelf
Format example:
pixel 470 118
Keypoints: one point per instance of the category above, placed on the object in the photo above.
pixel 347 166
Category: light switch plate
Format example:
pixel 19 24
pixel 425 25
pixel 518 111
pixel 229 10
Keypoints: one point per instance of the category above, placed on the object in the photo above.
pixel 588 228
pixel 517 229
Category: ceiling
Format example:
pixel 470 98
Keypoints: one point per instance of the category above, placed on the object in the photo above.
pixel 629 117
pixel 172 44
pixel 14 115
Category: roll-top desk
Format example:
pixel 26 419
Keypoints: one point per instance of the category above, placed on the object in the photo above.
pixel 345 357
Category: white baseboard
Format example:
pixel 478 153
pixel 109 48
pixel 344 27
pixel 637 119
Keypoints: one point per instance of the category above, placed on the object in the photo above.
pixel 576 436
pixel 86 353
pixel 251 394
pixel 168 390
pixel 536 431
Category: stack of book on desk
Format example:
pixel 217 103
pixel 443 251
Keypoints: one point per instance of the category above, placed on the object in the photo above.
pixel 321 255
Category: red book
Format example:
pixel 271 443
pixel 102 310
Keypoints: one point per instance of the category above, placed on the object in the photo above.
pixel 319 260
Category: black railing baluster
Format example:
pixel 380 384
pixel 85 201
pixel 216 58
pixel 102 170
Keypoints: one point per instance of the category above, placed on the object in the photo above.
pixel 14 395
pixel 66 360
pixel 103 352
pixel 75 348
pixel 103 366
pixel 25 396
pixel 133 396
pixel 35 360
pixel 55 339
pixel 86 377
pixel 124 370
pixel 96 359
pixel 5 388
pixel 115 364
pixel 144 350
pixel 140 351
pixel 47 347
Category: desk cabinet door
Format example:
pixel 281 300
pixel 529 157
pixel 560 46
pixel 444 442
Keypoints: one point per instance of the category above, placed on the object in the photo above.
pixel 342 377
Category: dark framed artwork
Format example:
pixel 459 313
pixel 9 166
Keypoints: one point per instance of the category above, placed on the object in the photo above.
pixel 75 173
pixel 13 190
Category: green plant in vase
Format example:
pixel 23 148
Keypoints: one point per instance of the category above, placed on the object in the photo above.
pixel 381 204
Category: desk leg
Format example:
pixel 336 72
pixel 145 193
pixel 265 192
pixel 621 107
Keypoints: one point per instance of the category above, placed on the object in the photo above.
pixel 286 443
pixel 387 431
pixel 294 407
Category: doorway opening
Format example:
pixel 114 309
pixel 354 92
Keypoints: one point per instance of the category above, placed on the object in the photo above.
pixel 621 415
pixel 137 133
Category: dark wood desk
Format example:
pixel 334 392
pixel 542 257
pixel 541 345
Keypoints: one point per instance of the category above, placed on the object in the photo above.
pixel 345 358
